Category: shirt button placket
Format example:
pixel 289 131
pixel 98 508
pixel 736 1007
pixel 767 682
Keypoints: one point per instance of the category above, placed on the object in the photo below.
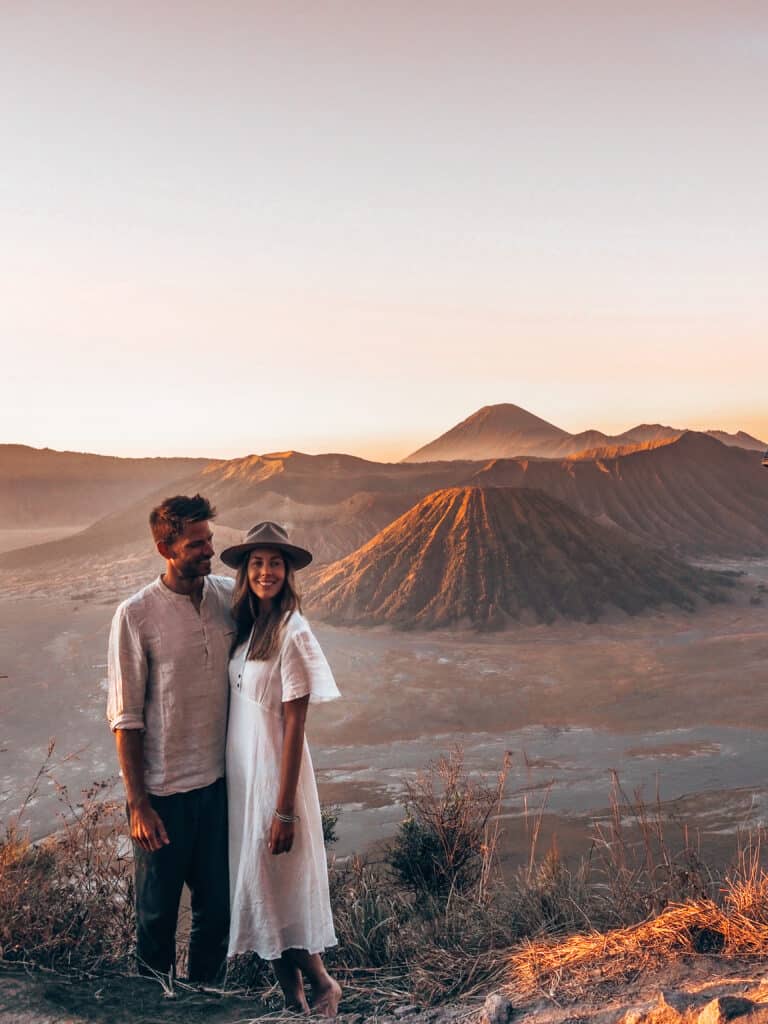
pixel 205 635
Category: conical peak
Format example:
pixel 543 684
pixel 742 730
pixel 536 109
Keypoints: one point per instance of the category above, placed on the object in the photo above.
pixel 509 415
pixel 488 557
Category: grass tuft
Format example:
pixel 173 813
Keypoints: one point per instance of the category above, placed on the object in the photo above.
pixel 435 920
pixel 67 902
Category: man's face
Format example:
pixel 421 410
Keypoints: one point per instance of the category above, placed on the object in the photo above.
pixel 191 553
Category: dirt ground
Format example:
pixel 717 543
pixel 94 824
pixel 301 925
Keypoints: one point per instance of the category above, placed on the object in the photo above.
pixel 684 986
pixel 44 998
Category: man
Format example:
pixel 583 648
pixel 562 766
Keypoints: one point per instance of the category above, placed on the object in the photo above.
pixel 167 706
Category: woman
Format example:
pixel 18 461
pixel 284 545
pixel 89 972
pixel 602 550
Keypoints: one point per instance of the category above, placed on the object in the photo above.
pixel 278 873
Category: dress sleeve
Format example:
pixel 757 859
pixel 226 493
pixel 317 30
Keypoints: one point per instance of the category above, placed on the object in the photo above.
pixel 126 674
pixel 305 670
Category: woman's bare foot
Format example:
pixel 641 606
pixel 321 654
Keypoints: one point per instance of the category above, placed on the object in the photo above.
pixel 326 991
pixel 292 984
pixel 297 1006
pixel 326 997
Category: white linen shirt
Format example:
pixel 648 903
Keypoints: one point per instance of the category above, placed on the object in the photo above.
pixel 167 674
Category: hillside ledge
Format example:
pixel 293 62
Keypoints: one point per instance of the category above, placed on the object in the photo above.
pixel 700 991
pixel 716 1011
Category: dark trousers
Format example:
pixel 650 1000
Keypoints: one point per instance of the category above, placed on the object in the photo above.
pixel 196 823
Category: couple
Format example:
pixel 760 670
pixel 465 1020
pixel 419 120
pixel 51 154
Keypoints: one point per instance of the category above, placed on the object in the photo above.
pixel 204 674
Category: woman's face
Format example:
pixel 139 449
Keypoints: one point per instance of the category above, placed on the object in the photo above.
pixel 266 573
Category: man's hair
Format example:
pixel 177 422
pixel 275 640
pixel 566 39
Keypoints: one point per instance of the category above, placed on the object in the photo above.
pixel 171 516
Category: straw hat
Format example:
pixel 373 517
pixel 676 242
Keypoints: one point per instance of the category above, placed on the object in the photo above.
pixel 266 535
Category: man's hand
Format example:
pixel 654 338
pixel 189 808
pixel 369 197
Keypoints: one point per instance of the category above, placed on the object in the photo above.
pixel 281 836
pixel 147 827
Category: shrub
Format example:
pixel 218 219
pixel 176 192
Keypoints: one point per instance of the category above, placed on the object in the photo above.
pixel 329 816
pixel 447 840
pixel 68 900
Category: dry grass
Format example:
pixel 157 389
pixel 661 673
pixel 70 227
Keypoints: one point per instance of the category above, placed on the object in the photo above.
pixel 643 896
pixel 446 974
pixel 583 960
pixel 736 927
pixel 67 901
pixel 643 859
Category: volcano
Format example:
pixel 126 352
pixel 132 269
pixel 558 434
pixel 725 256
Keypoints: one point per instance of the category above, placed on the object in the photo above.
pixel 500 432
pixel 506 431
pixel 485 558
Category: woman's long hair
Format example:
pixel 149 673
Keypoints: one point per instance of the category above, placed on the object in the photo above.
pixel 268 628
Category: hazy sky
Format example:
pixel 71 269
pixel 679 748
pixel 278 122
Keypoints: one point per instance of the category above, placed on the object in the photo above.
pixel 247 226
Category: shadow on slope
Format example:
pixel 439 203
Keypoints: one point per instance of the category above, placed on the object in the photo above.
pixel 490 557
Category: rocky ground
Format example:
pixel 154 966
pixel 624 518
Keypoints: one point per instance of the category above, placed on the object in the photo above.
pixel 697 990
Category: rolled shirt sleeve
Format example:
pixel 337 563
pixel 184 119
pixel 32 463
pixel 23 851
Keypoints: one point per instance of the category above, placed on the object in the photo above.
pixel 127 673
pixel 305 670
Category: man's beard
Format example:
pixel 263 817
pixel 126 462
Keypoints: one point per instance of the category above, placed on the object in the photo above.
pixel 200 567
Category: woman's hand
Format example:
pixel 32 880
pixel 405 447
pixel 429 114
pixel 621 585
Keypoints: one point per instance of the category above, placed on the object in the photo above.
pixel 281 836
pixel 281 832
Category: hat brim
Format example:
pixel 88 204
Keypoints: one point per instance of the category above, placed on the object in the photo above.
pixel 233 557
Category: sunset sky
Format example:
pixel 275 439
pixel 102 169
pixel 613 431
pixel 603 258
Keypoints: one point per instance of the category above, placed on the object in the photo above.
pixel 245 226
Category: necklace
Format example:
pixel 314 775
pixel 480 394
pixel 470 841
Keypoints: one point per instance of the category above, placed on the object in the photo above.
pixel 246 652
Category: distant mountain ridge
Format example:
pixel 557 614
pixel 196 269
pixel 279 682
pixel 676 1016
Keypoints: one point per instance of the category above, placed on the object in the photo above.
pixel 331 503
pixel 43 487
pixel 691 494
pixel 506 431
pixel 488 557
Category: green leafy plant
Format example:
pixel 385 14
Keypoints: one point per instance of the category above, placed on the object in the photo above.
pixel 448 838
pixel 329 816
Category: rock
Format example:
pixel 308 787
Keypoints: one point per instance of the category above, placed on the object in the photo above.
pixel 405 1011
pixel 497 1009
pixel 725 1008
pixel 440 1015
pixel 660 1013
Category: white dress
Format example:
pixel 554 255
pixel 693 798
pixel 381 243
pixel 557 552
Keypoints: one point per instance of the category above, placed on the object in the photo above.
pixel 277 902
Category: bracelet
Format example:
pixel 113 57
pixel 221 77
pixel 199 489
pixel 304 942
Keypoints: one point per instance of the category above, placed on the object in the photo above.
pixel 287 819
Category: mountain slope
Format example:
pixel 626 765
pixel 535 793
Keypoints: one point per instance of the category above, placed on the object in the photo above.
pixel 739 440
pixel 330 503
pixel 694 494
pixel 42 487
pixel 487 557
pixel 507 431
